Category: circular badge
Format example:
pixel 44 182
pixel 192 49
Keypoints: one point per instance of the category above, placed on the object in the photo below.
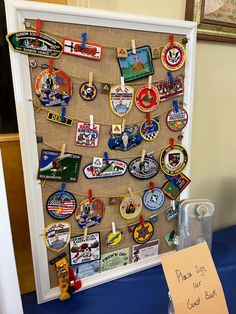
pixel 146 169
pixel 89 214
pixel 173 58
pixel 61 205
pixel 143 233
pixel 176 121
pixel 114 239
pixel 53 89
pixel 153 200
pixel 87 92
pixel 147 99
pixel 173 161
pixel 130 207
pixel 149 130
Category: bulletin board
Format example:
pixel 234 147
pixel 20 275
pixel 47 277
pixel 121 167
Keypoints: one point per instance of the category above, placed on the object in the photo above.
pixel 109 30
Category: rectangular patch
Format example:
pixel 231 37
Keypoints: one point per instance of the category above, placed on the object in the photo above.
pixel 73 47
pixel 57 118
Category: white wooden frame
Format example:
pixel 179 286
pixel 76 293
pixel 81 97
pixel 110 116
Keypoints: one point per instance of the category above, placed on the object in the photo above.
pixel 16 12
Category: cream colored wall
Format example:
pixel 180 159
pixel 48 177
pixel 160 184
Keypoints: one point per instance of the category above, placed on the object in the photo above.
pixel 213 143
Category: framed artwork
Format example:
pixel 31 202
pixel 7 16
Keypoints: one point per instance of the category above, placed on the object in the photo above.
pixel 216 19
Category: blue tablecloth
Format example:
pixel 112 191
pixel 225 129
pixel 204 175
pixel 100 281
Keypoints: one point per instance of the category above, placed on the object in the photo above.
pixel 144 292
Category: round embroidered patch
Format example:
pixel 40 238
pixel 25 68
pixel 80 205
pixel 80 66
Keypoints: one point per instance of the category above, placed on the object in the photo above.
pixel 173 58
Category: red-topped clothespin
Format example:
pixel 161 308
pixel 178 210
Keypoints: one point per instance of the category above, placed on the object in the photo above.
pixel 50 65
pixel 152 186
pixel 38 27
pixel 141 218
pixel 148 117
pixel 172 39
pixel 84 39
pixel 90 195
pixel 172 142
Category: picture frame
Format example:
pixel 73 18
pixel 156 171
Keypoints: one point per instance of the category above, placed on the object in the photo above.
pixel 216 19
pixel 17 12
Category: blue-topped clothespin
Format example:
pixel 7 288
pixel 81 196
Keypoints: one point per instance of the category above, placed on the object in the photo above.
pixel 169 178
pixel 63 186
pixel 106 158
pixel 63 114
pixel 170 76
pixel 175 105
pixel 84 39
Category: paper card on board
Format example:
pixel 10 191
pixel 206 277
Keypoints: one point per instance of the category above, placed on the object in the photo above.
pixel 193 281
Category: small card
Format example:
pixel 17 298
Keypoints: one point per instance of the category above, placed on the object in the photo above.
pixel 115 259
pixel 141 252
pixel 86 270
pixel 175 185
pixel 84 251
pixel 53 166
pixel 138 65
pixel 193 281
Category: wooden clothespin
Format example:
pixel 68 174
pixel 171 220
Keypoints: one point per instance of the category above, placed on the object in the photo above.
pixel 149 81
pixel 91 121
pixel 63 148
pixel 131 194
pixel 133 46
pixel 143 155
pixel 122 83
pixel 85 233
pixel 113 226
pixel 172 202
pixel 90 83
pixel 123 125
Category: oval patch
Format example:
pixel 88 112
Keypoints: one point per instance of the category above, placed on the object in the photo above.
pixel 57 235
pixel 61 205
pixel 147 169
pixel 114 168
pixel 173 161
pixel 153 200
pixel 53 89
pixel 143 233
pixel 130 207
pixel 89 214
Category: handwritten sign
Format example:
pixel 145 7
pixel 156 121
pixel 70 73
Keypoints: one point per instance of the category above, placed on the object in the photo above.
pixel 193 281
